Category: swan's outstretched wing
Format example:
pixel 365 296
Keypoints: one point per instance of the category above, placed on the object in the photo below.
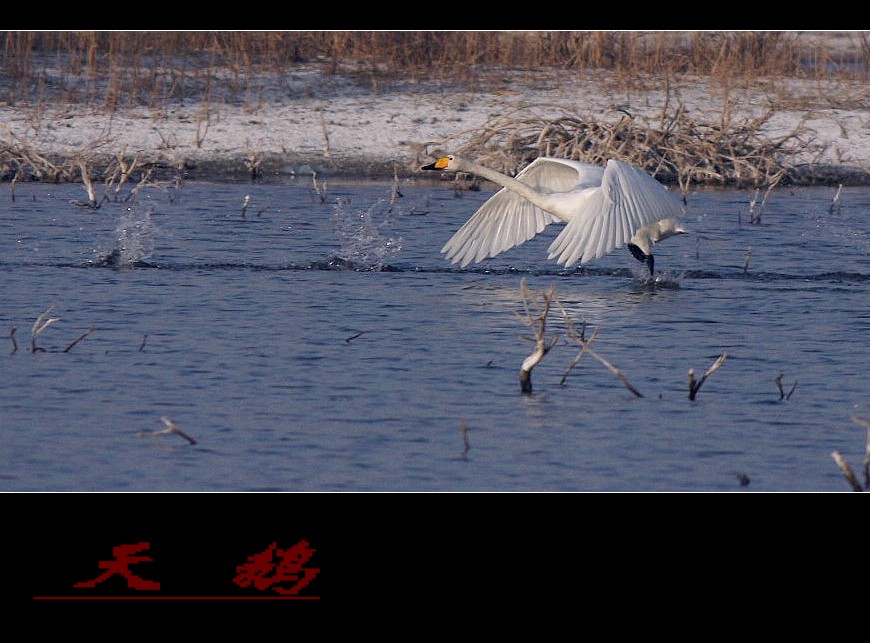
pixel 506 219
pixel 629 199
pixel 550 174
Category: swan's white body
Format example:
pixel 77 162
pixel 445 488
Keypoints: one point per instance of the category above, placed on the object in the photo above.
pixel 603 208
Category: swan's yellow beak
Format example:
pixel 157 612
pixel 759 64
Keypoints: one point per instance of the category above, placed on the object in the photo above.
pixel 440 164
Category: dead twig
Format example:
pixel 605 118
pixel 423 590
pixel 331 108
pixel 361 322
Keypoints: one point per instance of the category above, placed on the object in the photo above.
pixel 851 478
pixel 587 348
pixel 866 462
pixel 537 321
pixel 39 326
pixel 319 189
pixel 171 427
pixel 85 334
pixel 125 170
pixel 782 393
pixel 836 202
pixel 755 219
pixel 12 337
pixel 395 193
pixel 142 183
pixel 89 186
pixel 693 385
pixel 465 444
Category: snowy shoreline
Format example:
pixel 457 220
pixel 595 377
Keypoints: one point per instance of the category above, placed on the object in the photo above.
pixel 339 126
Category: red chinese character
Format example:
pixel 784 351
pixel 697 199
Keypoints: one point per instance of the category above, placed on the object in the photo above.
pixel 121 564
pixel 263 572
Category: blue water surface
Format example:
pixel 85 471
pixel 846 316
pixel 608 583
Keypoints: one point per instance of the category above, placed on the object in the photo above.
pixel 325 344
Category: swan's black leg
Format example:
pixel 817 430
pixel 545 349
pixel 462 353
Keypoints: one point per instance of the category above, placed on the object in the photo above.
pixel 641 256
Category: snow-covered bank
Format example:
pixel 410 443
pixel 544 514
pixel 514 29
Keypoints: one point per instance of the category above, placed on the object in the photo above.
pixel 340 125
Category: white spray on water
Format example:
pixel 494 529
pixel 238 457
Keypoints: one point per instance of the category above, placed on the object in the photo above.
pixel 364 235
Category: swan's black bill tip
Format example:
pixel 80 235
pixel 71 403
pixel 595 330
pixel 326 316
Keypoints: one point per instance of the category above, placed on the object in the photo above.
pixel 431 166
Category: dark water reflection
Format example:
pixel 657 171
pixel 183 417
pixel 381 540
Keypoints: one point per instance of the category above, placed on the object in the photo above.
pixel 323 347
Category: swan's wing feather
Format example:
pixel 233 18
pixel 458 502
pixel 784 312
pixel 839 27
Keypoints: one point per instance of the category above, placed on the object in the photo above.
pixel 550 174
pixel 576 237
pixel 628 200
pixel 505 220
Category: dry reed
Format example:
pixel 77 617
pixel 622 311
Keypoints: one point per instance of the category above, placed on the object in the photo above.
pixel 679 150
pixel 110 70
pixel 110 67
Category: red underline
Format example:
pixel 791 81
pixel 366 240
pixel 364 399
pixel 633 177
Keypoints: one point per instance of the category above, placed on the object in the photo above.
pixel 176 598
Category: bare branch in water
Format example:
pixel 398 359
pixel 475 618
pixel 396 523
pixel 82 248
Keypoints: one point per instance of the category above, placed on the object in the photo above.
pixel 586 347
pixel 851 478
pixel 465 445
pixel 782 393
pixel 85 334
pixel 866 462
pixel 171 427
pixel 847 471
pixel 89 185
pixel 142 183
pixel 395 193
pixel 12 337
pixel 144 341
pixel 319 188
pixel 585 343
pixel 693 385
pixel 836 202
pixel 39 326
pixel 754 219
pixel 537 321
pixel 126 170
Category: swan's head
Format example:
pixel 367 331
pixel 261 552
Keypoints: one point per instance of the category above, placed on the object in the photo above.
pixel 669 228
pixel 445 163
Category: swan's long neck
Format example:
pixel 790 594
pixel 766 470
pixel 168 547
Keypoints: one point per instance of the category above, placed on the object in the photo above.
pixel 539 199
pixel 655 232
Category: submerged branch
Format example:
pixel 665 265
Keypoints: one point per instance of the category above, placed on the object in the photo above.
pixel 537 321
pixel 782 393
pixel 586 347
pixel 866 462
pixel 693 385
pixel 39 326
pixel 847 471
pixel 465 444
pixel 171 427
pixel 85 334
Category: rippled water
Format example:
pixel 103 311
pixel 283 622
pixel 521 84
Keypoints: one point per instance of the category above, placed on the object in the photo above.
pixel 328 346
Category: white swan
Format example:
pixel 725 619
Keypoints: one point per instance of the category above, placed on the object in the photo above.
pixel 602 207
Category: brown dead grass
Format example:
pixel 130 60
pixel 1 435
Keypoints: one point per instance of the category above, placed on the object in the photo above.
pixel 110 70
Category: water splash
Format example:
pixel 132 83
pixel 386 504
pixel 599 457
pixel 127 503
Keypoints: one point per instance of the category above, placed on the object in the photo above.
pixel 364 235
pixel 134 240
pixel 665 280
